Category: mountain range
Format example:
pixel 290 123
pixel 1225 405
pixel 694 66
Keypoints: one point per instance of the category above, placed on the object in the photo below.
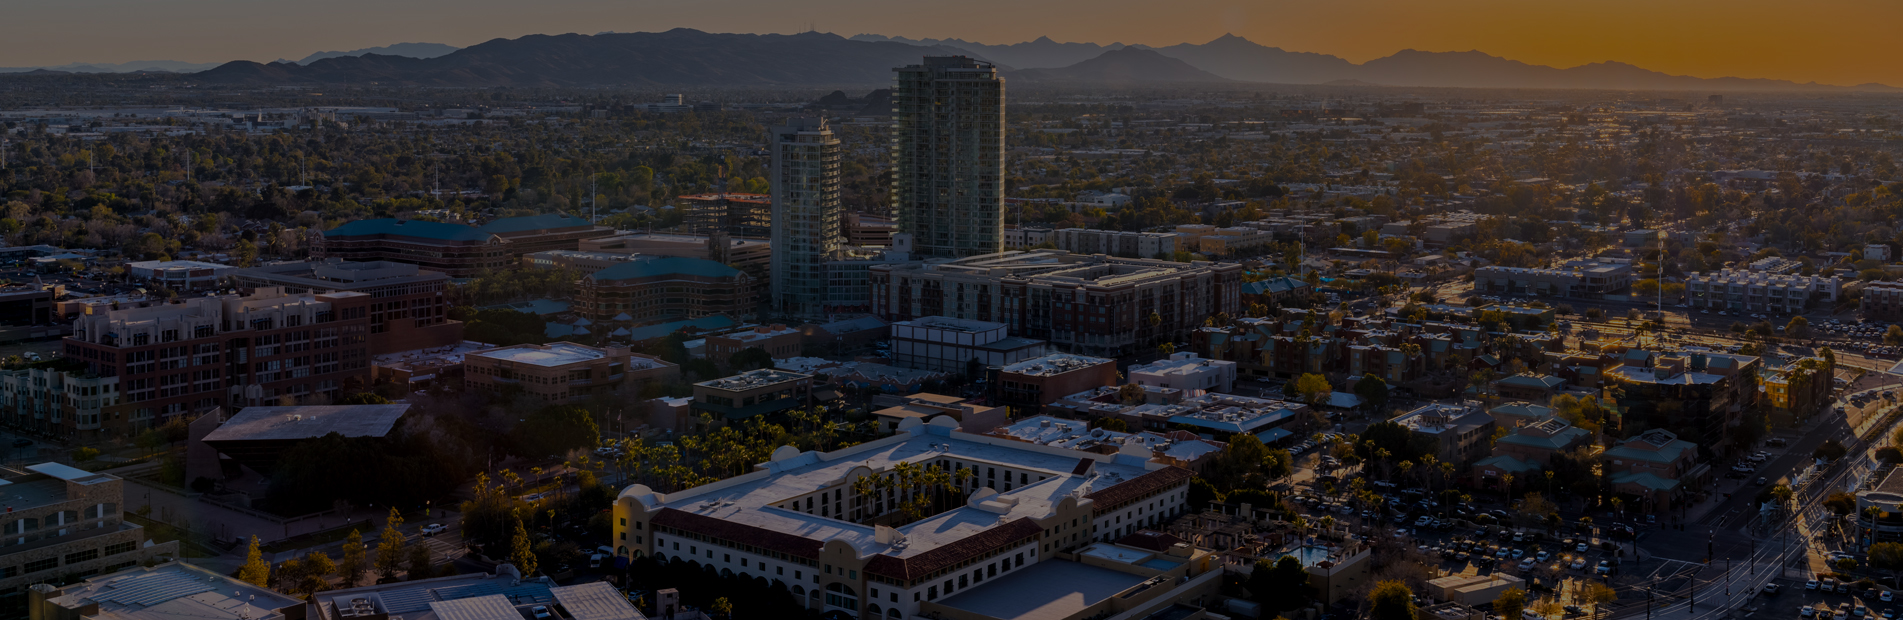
pixel 691 58
pixel 412 50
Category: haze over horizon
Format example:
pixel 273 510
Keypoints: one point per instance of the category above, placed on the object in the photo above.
pixel 1703 38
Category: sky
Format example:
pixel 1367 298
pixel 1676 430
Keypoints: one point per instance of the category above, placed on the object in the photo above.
pixel 1829 41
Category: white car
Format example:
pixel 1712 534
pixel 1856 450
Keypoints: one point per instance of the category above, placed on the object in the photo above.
pixel 1543 555
pixel 434 529
pixel 1579 564
pixel 1528 564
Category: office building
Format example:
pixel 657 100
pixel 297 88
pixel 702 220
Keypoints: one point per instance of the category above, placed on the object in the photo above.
pixel 562 372
pixel 505 595
pixel 665 288
pixel 63 521
pixel 408 309
pixel 948 156
pixel 1090 304
pixel 753 393
pixel 988 545
pixel 944 344
pixel 777 340
pixel 727 213
pixel 1699 396
pixel 1461 433
pixel 231 351
pixel 1034 383
pixel 1592 278
pixel 805 214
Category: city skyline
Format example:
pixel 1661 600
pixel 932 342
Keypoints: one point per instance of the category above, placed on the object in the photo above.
pixel 1699 38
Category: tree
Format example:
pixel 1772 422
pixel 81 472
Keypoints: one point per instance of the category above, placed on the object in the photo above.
pixel 1390 600
pixel 556 429
pixel 1510 604
pixel 1278 586
pixel 419 562
pixel 750 358
pixel 354 564
pixel 1841 503
pixel 1373 391
pixel 1830 450
pixel 1313 388
pixel 255 571
pixel 317 567
pixel 1893 335
pixel 1888 557
pixel 1111 424
pixel 521 549
pixel 1130 393
pixel 390 546
pixel 721 607
pixel 1797 327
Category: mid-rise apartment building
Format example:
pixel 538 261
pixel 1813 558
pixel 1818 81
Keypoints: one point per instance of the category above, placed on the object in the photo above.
pixel 561 372
pixel 54 401
pixel 1883 300
pixel 233 351
pixel 948 156
pixel 63 521
pixel 408 309
pixel 1461 432
pixel 1750 291
pixel 1089 304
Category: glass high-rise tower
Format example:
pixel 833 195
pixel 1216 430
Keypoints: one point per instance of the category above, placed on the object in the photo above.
pixel 948 157
pixel 806 229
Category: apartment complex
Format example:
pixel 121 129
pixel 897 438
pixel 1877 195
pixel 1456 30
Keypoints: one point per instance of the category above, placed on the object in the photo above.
pixel 1752 291
pixel 1027 516
pixel 806 225
pixel 665 288
pixel 408 310
pixel 1461 433
pixel 459 250
pixel 1591 278
pixel 1091 304
pixel 1883 300
pixel 1116 242
pixel 63 521
pixel 233 351
pixel 562 372
pixel 50 401
pixel 948 156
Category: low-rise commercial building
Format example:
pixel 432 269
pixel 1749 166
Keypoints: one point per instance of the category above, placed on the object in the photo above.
pixel 179 275
pixel 1034 383
pixel 923 406
pixel 168 591
pixel 750 255
pixel 1655 472
pixel 1461 433
pixel 562 372
pixel 777 340
pixel 1186 371
pixel 1592 278
pixel 753 393
pixel 585 262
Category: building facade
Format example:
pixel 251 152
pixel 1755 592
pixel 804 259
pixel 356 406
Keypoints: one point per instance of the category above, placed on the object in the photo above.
pixel 806 225
pixel 1117 242
pixel 1094 305
pixel 948 156
pixel 1579 279
pixel 562 372
pixel 943 344
pixel 63 521
pixel 665 288
pixel 408 309
pixel 262 349
pixel 1883 300
pixel 459 250
pixel 753 393
pixel 1751 291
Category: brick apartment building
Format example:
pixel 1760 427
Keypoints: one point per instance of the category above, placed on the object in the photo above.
pixel 266 348
pixel 408 310
pixel 562 372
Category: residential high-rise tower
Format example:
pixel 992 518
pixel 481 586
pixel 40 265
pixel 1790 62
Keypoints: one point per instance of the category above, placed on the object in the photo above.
pixel 948 156
pixel 806 227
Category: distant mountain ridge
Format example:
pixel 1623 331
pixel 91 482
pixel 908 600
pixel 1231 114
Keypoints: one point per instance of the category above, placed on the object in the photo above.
pixel 172 66
pixel 1127 66
pixel 1041 53
pixel 409 50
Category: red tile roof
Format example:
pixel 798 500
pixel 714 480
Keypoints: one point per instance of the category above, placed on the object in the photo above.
pixel 970 547
pixel 738 532
pixel 1128 491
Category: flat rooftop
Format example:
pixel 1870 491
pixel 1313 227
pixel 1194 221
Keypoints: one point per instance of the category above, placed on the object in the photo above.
pixel 546 355
pixel 1047 590
pixel 173 591
pixel 1054 364
pixel 945 323
pixel 305 422
pixel 753 379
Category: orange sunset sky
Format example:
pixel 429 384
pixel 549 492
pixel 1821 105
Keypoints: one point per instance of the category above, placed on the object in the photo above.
pixel 1830 41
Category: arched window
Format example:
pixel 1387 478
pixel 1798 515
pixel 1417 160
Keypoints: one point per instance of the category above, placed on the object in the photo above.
pixel 893 613
pixel 799 590
pixel 873 608
pixel 842 596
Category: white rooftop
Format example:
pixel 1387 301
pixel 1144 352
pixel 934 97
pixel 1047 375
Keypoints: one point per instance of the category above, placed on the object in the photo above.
pixel 550 355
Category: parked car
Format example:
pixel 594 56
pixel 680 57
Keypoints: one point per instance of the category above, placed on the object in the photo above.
pixel 434 529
